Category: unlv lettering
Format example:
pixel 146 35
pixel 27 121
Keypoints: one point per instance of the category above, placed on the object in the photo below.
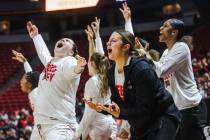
pixel 120 91
pixel 49 72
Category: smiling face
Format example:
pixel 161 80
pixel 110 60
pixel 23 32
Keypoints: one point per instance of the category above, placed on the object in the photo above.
pixel 64 47
pixel 114 46
pixel 165 32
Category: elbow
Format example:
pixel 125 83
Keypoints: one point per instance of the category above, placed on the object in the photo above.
pixel 159 73
pixel 162 74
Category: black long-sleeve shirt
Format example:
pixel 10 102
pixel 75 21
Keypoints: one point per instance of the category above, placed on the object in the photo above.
pixel 145 97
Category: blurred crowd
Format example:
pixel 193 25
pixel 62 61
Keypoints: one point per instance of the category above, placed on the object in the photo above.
pixel 16 125
pixel 201 69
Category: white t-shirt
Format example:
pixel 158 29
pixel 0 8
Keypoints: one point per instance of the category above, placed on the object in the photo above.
pixel 119 81
pixel 177 63
pixel 56 92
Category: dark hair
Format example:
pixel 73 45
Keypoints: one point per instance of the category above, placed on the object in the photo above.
pixel 101 65
pixel 74 46
pixel 128 38
pixel 33 78
pixel 178 25
pixel 74 49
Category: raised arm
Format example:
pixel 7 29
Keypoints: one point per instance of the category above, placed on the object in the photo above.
pixel 91 45
pixel 81 63
pixel 98 42
pixel 41 48
pixel 127 17
pixel 19 57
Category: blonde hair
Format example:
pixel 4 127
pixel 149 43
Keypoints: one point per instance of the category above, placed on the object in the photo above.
pixel 101 66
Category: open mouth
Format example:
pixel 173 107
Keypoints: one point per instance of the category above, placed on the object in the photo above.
pixel 60 45
pixel 109 50
pixel 160 34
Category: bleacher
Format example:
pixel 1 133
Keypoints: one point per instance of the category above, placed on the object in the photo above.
pixel 13 98
pixel 10 66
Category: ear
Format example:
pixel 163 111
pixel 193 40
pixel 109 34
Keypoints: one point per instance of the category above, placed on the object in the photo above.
pixel 70 52
pixel 92 64
pixel 126 47
pixel 29 85
pixel 174 32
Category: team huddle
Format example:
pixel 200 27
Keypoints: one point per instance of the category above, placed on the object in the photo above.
pixel 132 91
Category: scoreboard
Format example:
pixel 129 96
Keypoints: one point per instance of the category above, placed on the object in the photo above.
pixel 52 5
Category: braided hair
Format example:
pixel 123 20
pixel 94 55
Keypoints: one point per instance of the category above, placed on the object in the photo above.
pixel 33 78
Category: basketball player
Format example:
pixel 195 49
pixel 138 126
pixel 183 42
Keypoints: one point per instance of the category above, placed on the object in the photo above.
pixel 56 92
pixel 28 84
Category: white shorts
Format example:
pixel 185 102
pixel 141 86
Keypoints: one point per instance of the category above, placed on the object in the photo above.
pixel 104 131
pixel 56 131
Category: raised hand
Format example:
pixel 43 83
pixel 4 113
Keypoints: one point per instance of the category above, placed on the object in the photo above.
pixel 18 56
pixel 126 11
pixel 138 43
pixel 81 62
pixel 140 48
pixel 96 26
pixel 32 29
pixel 89 33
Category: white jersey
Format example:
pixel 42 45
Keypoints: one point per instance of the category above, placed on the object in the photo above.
pixel 92 119
pixel 27 67
pixel 176 62
pixel 56 92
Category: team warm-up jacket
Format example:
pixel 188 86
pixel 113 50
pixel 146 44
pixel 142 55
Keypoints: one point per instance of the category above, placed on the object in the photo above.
pixel 145 97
